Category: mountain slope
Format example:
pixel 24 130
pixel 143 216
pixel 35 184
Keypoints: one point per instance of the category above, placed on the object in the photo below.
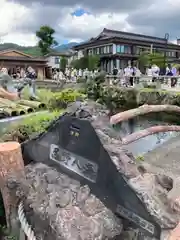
pixel 65 47
pixel 34 50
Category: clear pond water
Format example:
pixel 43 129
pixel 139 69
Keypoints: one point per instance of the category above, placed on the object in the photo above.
pixel 139 147
pixel 148 143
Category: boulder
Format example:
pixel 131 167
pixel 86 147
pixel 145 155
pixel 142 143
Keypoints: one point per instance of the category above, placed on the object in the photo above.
pixel 59 207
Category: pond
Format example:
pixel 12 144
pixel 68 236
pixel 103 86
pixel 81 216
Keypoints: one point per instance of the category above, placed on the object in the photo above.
pixel 144 145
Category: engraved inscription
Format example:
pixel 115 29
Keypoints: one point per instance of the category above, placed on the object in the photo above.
pixel 136 219
pixel 75 163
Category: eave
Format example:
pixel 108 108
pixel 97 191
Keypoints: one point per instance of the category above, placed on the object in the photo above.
pixel 126 41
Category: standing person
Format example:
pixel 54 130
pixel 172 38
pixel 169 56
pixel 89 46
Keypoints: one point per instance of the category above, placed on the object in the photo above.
pixel 122 77
pixel 31 75
pixel 137 75
pixel 149 71
pixel 132 77
pixel 128 74
pixel 155 72
pixel 115 72
pixel 6 86
pixel 172 72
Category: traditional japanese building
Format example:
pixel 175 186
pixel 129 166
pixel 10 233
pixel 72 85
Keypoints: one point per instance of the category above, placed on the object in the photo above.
pixel 117 48
pixel 13 59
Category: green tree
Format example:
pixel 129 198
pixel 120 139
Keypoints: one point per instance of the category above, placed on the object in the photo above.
pixel 146 59
pixel 143 59
pixel 158 58
pixel 93 62
pixel 90 62
pixel 46 39
pixel 63 63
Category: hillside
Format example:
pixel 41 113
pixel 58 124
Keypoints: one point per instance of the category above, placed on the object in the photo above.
pixel 65 47
pixel 34 50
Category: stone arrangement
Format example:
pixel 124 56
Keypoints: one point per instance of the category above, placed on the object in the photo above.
pixel 59 207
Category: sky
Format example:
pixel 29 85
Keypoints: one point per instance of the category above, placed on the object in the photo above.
pixel 79 20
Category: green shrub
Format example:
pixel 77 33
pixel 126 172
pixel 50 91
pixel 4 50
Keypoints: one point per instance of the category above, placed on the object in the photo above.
pixel 30 126
pixel 152 86
pixel 61 99
pixel 57 100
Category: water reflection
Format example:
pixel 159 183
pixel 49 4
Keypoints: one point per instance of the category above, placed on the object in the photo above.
pixel 148 143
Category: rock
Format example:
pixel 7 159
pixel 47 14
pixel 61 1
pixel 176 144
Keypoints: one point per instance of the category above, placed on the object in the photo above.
pixel 156 199
pixel 67 210
pixel 73 213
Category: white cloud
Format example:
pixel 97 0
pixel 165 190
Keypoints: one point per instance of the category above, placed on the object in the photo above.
pixel 23 39
pixel 12 14
pixel 87 25
pixel 72 28
pixel 21 21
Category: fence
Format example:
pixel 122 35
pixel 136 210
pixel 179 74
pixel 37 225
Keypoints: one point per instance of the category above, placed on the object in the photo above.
pixel 161 82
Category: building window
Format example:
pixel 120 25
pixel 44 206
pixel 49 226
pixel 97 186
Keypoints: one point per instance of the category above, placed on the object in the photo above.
pixel 118 48
pixel 56 60
pixel 123 49
pixel 127 49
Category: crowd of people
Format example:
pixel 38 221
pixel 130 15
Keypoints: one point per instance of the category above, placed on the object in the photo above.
pixel 127 76
pixel 28 79
pixel 73 74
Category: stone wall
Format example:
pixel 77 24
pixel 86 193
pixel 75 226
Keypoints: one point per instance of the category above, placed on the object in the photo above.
pixel 116 98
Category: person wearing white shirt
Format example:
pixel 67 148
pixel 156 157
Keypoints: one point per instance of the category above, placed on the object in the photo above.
pixel 155 72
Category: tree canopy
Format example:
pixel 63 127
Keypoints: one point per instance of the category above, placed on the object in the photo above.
pixel 63 63
pixel 146 59
pixel 90 62
pixel 46 39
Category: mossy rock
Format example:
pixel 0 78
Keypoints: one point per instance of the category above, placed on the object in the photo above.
pixel 156 97
pixel 62 99
pixel 115 98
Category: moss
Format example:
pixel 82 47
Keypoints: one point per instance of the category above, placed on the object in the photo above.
pixel 140 158
pixel 30 126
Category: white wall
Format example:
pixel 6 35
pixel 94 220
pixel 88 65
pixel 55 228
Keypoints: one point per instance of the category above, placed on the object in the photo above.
pixel 51 62
pixel 80 54
pixel 114 48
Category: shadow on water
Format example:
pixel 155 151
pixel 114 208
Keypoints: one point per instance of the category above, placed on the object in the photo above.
pixel 148 143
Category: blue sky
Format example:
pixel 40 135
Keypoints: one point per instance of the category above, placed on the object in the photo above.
pixel 79 12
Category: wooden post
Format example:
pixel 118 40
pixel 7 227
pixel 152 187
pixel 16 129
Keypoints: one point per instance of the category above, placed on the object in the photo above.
pixel 11 163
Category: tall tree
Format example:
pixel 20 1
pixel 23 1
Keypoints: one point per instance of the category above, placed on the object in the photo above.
pixel 146 58
pixel 63 63
pixel 90 62
pixel 46 39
